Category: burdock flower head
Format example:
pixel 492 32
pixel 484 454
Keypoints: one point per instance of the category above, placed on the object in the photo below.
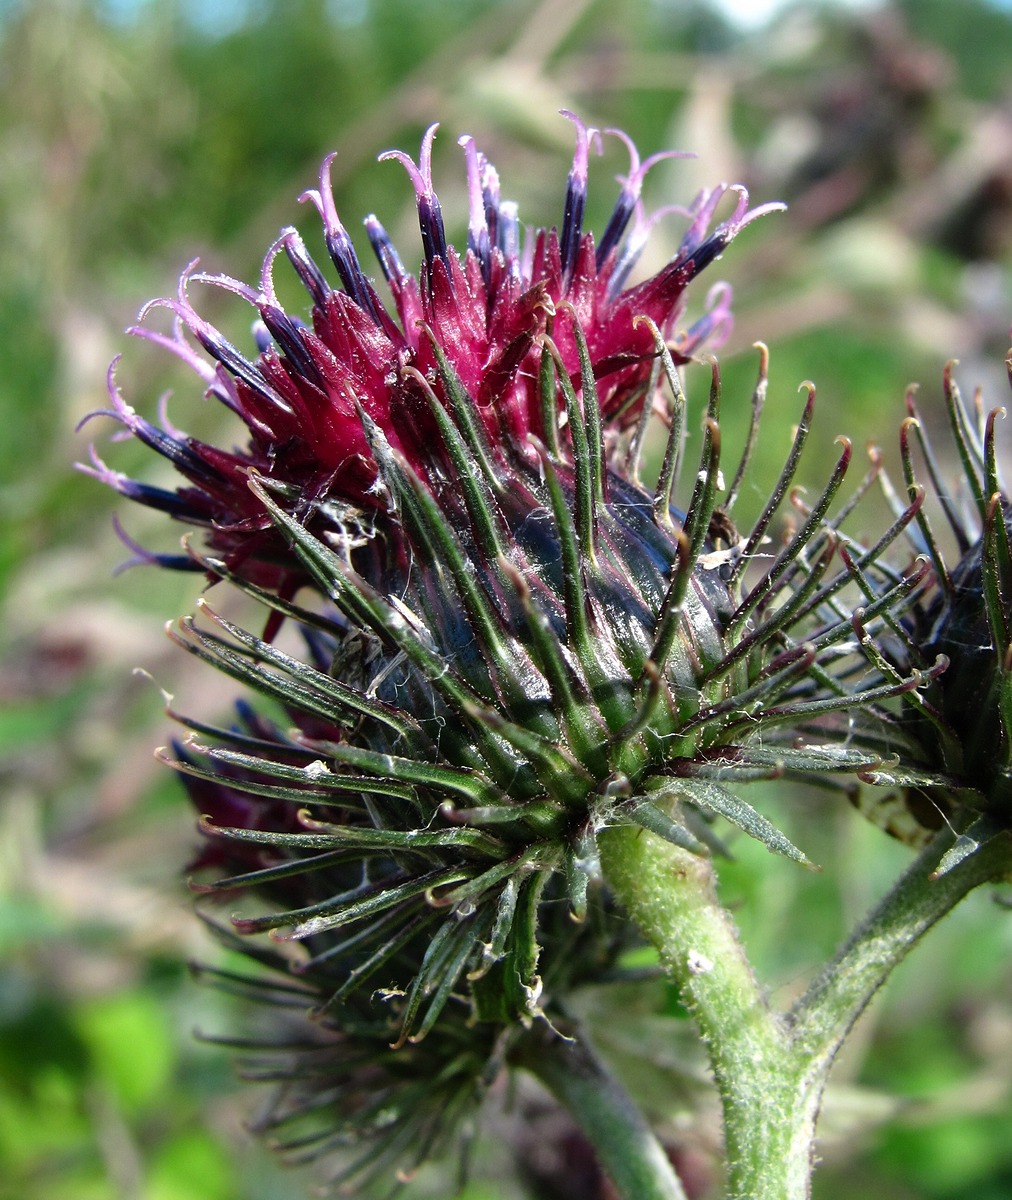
pixel 508 640
pixel 317 399
pixel 948 747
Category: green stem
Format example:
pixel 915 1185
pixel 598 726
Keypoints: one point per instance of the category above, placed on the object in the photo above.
pixel 769 1115
pixel 625 1147
pixel 771 1069
pixel 824 1015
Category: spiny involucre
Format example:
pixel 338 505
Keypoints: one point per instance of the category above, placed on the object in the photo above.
pixel 509 641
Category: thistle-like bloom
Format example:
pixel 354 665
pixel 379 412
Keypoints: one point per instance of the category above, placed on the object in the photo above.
pixel 312 395
pixel 949 745
pixel 510 640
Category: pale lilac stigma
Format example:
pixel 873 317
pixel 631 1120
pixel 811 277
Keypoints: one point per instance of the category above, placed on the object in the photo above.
pixel 576 192
pixel 637 240
pixel 508 236
pixel 713 328
pixel 339 244
pixel 142 557
pixel 177 345
pixel 306 269
pixel 212 340
pixel 430 216
pixel 490 197
pixel 170 447
pixel 702 210
pixel 478 240
pixel 632 186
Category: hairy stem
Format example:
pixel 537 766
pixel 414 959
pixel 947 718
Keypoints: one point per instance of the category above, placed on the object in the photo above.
pixel 625 1146
pixel 771 1069
pixel 769 1115
pixel 824 1015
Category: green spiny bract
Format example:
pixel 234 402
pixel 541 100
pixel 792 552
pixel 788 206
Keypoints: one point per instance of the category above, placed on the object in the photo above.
pixel 948 746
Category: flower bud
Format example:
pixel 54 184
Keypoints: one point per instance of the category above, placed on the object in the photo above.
pixel 952 753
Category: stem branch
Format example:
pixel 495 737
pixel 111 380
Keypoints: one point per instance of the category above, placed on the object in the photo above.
pixel 769 1108
pixel 771 1069
pixel 624 1144
pixel 822 1018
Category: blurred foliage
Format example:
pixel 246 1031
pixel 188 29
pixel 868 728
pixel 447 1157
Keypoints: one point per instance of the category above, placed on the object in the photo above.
pixel 135 135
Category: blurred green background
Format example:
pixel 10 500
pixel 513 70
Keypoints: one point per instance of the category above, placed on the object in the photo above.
pixel 135 135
